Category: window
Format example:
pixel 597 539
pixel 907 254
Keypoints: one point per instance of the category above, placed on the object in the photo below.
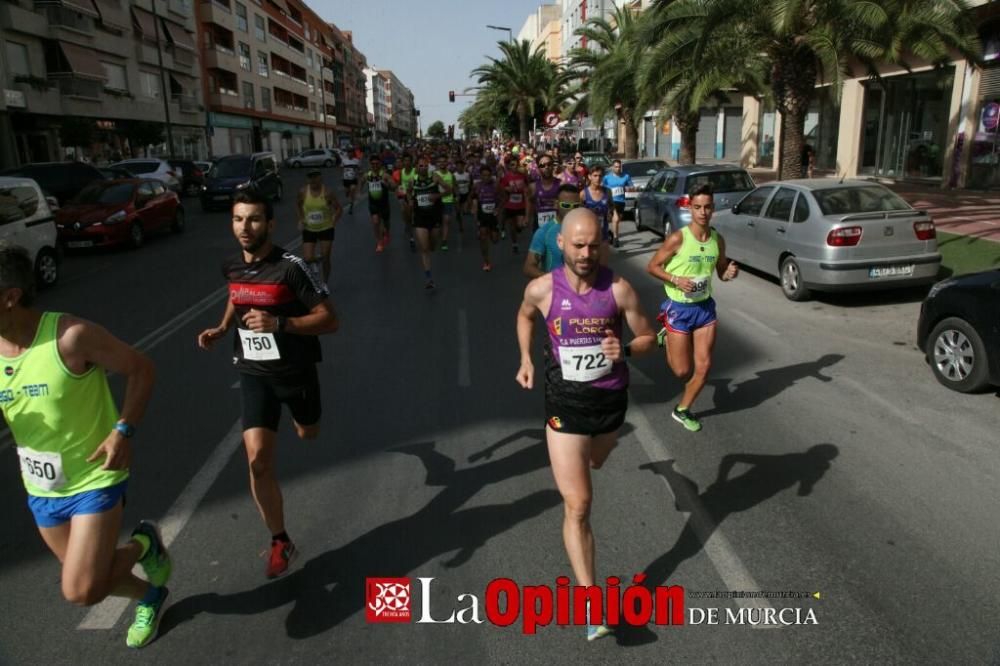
pixel 241 18
pixel 17 59
pixel 864 199
pixel 312 85
pixel 801 208
pixel 17 203
pixel 115 75
pixel 244 57
pixel 669 183
pixel 309 58
pixel 158 188
pixel 265 98
pixel 261 63
pixel 248 98
pixel 781 205
pixel 149 85
pixel 753 203
pixel 258 27
pixel 145 193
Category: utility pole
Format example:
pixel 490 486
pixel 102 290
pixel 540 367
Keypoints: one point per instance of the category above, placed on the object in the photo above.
pixel 163 84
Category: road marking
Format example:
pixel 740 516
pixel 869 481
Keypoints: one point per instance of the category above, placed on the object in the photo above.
pixel 752 320
pixel 107 613
pixel 875 397
pixel 464 378
pixel 727 563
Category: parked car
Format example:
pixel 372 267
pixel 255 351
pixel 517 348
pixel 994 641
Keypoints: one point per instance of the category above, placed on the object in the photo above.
pixel 959 331
pixel 231 174
pixel 118 212
pixel 153 168
pixel 664 206
pixel 191 175
pixel 26 221
pixel 62 180
pixel 641 171
pixel 590 159
pixel 831 235
pixel 313 158
pixel 204 165
pixel 114 173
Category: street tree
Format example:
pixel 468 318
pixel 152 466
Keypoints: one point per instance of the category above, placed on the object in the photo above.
pixel 436 130
pixel 145 133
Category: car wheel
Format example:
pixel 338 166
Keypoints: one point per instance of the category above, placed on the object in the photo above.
pixel 328 164
pixel 279 192
pixel 179 221
pixel 958 356
pixel 136 235
pixel 791 281
pixel 638 220
pixel 296 165
pixel 667 229
pixel 46 268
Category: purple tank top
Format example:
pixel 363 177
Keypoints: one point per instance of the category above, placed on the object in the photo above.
pixel 546 197
pixel 487 193
pixel 576 324
pixel 569 179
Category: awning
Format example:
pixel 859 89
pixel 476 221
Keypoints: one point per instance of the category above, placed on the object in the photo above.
pixel 178 36
pixel 280 4
pixel 82 6
pixel 82 61
pixel 145 22
pixel 112 15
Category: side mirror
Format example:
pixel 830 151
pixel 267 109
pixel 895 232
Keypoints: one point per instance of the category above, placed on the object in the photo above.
pixel 736 209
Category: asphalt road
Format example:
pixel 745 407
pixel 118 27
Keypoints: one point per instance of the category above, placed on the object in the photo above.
pixel 432 464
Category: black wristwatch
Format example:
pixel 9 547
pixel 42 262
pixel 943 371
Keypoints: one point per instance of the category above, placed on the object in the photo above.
pixel 282 321
pixel 628 350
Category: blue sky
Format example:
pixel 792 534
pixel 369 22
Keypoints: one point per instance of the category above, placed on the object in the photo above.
pixel 431 45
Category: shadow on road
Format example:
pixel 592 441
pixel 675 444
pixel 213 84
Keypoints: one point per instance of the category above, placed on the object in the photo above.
pixel 766 385
pixel 768 475
pixel 330 588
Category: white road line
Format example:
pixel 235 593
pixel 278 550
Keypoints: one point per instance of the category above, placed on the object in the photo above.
pixel 464 377
pixel 875 397
pixel 106 614
pixel 727 563
pixel 752 320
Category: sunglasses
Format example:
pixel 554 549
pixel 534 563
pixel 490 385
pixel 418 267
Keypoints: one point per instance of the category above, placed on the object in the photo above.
pixel 544 164
pixel 569 205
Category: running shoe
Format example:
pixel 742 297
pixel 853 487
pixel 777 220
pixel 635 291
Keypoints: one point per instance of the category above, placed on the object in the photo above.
pixel 350 209
pixel 596 632
pixel 503 234
pixel 686 419
pixel 487 267
pixel 147 622
pixel 379 247
pixel 444 246
pixel 618 241
pixel 156 562
pixel 429 284
pixel 283 553
pixel 514 248
pixel 413 244
pixel 385 239
pixel 661 337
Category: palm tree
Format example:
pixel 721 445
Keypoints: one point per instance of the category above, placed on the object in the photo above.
pixel 489 111
pixel 607 74
pixel 809 40
pixel 525 78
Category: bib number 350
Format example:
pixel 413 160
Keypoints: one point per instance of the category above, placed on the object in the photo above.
pixel 42 470
pixel 259 346
pixel 583 364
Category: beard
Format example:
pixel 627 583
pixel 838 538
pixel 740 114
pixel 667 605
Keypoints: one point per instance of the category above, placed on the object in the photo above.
pixel 256 243
pixel 582 270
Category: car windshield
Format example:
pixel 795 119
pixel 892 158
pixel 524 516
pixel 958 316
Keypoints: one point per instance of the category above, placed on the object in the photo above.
pixel 101 193
pixel 863 199
pixel 140 167
pixel 721 181
pixel 230 169
pixel 592 159
pixel 643 169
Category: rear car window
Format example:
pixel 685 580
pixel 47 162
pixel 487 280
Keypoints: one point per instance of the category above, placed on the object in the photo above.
pixel 754 202
pixel 643 169
pixel 722 181
pixel 142 167
pixel 858 199
pixel 236 168
pixel 17 202
pixel 781 205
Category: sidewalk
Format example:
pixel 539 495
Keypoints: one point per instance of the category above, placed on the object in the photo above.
pixel 973 213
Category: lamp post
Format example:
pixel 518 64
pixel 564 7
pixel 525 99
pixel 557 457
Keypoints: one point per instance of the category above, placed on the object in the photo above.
pixel 510 33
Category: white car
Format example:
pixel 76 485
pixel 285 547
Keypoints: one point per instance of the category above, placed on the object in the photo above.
pixel 26 221
pixel 315 157
pixel 153 168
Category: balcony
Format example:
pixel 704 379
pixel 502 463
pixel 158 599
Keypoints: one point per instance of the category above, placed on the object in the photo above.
pixel 186 103
pixel 224 97
pixel 38 96
pixel 212 12
pixel 18 19
pixel 60 16
pixel 183 59
pixel 220 57
pixel 183 8
pixel 74 86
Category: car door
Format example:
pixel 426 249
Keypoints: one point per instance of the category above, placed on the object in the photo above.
pixel 645 203
pixel 145 206
pixel 262 178
pixel 17 202
pixel 771 232
pixel 162 204
pixel 663 197
pixel 738 225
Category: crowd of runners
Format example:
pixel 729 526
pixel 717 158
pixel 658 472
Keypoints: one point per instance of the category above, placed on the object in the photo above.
pixel 76 474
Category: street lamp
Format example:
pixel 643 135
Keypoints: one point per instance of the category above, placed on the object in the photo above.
pixel 510 33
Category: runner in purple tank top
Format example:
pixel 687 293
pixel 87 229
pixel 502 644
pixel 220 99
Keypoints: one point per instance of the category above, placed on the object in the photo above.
pixel 542 194
pixel 586 378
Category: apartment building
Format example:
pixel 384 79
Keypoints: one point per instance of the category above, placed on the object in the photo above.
pixel 378 112
pixel 543 28
pixel 86 78
pixel 400 107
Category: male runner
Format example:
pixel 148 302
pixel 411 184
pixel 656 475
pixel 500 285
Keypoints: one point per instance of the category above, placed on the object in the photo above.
pixel 443 172
pixel 597 198
pixel 349 172
pixel 513 188
pixel 319 211
pixel 586 377
pixel 378 183
pixel 75 449
pixel 425 199
pixel 684 264
pixel 406 175
pixel 484 198
pixel 617 182
pixel 544 253
pixel 542 194
pixel 278 308
pixel 463 187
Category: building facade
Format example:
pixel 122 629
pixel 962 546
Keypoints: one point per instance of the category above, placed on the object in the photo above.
pixel 401 109
pixel 377 90
pixel 543 28
pixel 93 79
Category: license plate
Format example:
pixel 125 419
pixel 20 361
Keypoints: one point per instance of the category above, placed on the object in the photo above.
pixel 876 272
pixel 221 197
pixel 80 244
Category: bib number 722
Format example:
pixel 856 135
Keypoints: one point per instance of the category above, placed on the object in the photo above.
pixel 583 364
pixel 590 361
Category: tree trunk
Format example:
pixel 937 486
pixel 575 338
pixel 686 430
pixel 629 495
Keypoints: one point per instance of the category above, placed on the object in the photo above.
pixel 631 147
pixel 794 81
pixel 688 127
pixel 522 121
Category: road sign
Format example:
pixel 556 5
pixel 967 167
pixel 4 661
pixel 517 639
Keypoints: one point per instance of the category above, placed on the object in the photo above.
pixel 551 119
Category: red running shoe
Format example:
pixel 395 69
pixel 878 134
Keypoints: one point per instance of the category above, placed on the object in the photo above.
pixel 487 267
pixel 283 553
pixel 379 247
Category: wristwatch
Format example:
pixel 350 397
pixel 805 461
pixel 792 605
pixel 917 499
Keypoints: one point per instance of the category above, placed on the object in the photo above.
pixel 126 429
pixel 281 324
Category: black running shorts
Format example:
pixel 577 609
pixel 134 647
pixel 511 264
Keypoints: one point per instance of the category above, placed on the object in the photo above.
pixel 263 396
pixel 604 413
pixel 316 236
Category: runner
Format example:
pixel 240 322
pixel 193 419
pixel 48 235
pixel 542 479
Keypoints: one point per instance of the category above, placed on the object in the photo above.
pixel 406 174
pixel 586 377
pixel 463 186
pixel 597 198
pixel 513 187
pixel 349 172
pixel 484 197
pixel 684 264
pixel 425 200
pixel 379 183
pixel 278 307
pixel 447 179
pixel 580 169
pixel 319 211
pixel 542 195
pixel 616 182
pixel 544 253
pixel 75 449
pixel 568 175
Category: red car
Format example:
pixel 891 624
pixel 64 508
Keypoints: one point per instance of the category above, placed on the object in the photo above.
pixel 115 212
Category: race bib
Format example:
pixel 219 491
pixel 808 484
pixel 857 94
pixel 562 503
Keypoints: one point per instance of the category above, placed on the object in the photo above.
pixel 516 197
pixel 349 173
pixel 489 208
pixel 700 287
pixel 315 217
pixel 463 187
pixel 425 200
pixel 259 346
pixel 617 191
pixel 583 364
pixel 546 217
pixel 42 470
pixel 375 187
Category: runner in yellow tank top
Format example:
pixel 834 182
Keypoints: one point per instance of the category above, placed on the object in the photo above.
pixel 319 211
pixel 74 448
pixel 684 263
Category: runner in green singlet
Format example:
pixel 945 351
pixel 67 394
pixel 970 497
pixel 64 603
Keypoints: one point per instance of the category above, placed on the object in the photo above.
pixel 319 211
pixel 447 198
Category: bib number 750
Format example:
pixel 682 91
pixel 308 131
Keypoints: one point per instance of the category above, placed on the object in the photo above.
pixel 583 364
pixel 259 346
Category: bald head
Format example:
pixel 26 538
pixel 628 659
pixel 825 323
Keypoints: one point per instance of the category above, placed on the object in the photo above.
pixel 581 220
pixel 580 241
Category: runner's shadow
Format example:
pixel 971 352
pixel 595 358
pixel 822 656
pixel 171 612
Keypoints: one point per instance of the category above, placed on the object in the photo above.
pixel 768 475
pixel 766 385
pixel 330 588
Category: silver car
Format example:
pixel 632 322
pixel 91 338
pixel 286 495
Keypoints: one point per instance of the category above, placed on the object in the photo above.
pixel 642 171
pixel 313 158
pixel 830 235
pixel 154 168
pixel 664 206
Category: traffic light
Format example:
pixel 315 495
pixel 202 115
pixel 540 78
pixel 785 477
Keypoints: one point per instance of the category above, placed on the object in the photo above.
pixel 451 95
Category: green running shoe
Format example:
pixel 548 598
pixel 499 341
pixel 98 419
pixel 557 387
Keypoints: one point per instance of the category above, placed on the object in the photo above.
pixel 147 622
pixel 661 337
pixel 156 562
pixel 686 419
pixel 595 632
